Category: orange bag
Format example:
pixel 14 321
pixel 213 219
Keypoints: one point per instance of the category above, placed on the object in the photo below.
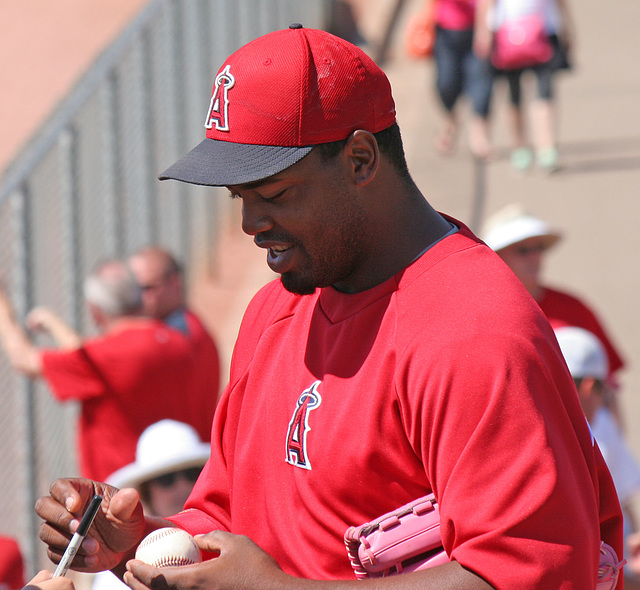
pixel 420 33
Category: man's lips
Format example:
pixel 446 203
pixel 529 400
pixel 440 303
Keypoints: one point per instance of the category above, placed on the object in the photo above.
pixel 280 259
pixel 279 254
pixel 278 250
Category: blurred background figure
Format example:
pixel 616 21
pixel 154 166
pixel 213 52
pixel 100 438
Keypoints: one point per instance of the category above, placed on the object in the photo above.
pixel 161 279
pixel 461 72
pixel 169 459
pixel 137 372
pixel 557 26
pixel 523 241
pixel 587 360
pixel 11 564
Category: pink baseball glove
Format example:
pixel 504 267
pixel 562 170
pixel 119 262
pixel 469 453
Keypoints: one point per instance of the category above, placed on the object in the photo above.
pixel 609 569
pixel 404 540
pixel 408 539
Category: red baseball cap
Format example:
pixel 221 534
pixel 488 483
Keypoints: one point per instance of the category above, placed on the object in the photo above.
pixel 277 97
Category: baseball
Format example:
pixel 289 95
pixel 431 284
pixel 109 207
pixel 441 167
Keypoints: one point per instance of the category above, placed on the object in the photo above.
pixel 169 547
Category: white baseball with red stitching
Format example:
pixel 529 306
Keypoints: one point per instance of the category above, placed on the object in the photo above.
pixel 169 547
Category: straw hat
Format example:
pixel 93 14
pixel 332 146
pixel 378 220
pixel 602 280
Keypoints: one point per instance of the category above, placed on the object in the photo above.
pixel 513 224
pixel 164 447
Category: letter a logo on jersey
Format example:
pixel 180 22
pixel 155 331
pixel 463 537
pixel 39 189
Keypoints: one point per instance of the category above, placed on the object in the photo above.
pixel 299 426
pixel 218 114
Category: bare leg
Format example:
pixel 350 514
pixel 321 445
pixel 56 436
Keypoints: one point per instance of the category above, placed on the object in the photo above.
pixel 544 124
pixel 544 134
pixel 479 141
pixel 517 124
pixel 446 139
pixel 521 157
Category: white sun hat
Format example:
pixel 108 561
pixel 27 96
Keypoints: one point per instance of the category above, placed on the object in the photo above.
pixel 584 353
pixel 513 224
pixel 164 447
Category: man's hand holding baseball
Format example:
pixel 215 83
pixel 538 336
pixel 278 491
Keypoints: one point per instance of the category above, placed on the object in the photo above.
pixel 241 563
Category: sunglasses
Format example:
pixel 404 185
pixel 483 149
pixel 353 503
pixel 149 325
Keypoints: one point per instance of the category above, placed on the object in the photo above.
pixel 152 286
pixel 527 250
pixel 169 479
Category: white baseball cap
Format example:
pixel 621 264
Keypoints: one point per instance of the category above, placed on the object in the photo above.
pixel 513 224
pixel 584 353
pixel 164 447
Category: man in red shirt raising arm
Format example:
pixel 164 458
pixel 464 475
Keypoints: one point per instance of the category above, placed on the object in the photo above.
pixel 135 373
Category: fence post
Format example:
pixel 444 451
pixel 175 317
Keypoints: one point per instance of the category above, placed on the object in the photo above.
pixel 72 263
pixel 113 226
pixel 479 193
pixel 22 300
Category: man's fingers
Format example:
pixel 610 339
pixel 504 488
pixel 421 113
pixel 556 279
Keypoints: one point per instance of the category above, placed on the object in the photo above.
pixel 130 580
pixel 67 492
pixel 54 538
pixel 140 576
pixel 60 583
pixel 124 503
pixel 213 541
pixel 57 543
pixel 61 512
pixel 41 576
pixel 54 513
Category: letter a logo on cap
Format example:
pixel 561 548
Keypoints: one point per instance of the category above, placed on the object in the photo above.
pixel 218 107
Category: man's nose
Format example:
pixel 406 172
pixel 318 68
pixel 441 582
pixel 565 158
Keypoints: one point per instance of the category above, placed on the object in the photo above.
pixel 255 218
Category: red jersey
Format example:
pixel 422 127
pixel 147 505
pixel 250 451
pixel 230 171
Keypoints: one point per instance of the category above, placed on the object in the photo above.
pixel 445 378
pixel 125 381
pixel 206 366
pixel 11 564
pixel 563 309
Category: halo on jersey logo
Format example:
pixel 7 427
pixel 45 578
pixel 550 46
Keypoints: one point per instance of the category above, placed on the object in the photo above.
pixel 309 400
pixel 218 113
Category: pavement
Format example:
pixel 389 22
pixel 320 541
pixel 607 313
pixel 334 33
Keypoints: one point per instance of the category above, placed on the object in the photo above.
pixel 593 199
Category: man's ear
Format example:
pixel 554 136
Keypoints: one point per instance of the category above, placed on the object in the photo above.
pixel 364 156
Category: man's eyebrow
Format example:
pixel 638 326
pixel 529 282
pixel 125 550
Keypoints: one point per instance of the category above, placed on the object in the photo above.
pixel 265 182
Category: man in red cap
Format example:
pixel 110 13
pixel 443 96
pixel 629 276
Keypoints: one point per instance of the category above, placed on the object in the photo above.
pixel 395 356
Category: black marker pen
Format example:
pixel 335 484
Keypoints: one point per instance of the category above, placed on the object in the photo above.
pixel 78 537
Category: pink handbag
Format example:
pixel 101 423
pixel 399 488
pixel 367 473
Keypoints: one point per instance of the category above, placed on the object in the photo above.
pixel 521 43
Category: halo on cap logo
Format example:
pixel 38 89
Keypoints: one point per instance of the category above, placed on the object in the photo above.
pixel 218 113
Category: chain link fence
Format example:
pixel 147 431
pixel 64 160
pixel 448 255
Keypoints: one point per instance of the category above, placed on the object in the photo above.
pixel 85 189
